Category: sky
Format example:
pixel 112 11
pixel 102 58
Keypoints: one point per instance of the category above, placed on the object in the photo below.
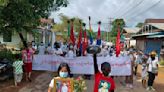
pixel 132 11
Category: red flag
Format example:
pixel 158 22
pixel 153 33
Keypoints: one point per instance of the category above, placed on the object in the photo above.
pixel 85 43
pixel 80 37
pixel 72 38
pixel 118 43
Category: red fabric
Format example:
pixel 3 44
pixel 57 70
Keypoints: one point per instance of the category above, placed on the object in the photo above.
pixel 101 80
pixel 99 33
pixel 72 38
pixel 85 43
pixel 118 43
pixel 80 37
pixel 28 67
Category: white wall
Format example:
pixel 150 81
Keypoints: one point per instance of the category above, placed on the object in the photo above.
pixel 132 42
pixel 16 41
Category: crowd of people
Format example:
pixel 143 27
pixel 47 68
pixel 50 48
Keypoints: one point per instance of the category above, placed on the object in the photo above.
pixel 149 63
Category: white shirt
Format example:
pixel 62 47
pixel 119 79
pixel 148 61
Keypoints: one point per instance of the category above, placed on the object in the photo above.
pixel 70 54
pixel 152 64
pixel 49 50
pixel 41 50
pixel 59 51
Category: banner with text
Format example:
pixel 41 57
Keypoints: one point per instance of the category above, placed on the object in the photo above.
pixel 120 66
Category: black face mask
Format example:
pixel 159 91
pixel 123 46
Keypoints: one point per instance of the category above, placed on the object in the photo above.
pixel 152 58
pixel 106 73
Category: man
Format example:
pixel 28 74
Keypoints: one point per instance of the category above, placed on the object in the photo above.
pixel 103 82
pixel 152 70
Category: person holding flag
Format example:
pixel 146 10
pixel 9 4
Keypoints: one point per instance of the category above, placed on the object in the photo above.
pixel 99 34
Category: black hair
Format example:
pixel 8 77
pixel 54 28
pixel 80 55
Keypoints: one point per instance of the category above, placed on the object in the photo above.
pixel 106 68
pixel 17 56
pixel 64 65
pixel 105 65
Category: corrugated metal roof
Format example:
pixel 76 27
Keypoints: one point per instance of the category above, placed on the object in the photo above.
pixel 155 36
pixel 151 35
pixel 131 30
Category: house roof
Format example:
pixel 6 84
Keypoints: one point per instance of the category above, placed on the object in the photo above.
pixel 150 35
pixel 157 25
pixel 154 21
pixel 131 30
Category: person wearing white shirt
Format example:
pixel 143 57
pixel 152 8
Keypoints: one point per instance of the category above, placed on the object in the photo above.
pixel 41 49
pixel 49 49
pixel 152 70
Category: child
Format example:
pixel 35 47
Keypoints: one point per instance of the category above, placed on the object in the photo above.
pixel 18 71
pixel 144 73
pixel 102 79
pixel 63 72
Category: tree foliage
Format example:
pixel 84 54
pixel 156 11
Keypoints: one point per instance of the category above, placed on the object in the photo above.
pixel 140 25
pixel 115 24
pixel 62 27
pixel 25 15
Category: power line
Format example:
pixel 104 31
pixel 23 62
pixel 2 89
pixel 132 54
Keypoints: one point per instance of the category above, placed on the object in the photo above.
pixel 117 12
pixel 154 5
pixel 135 6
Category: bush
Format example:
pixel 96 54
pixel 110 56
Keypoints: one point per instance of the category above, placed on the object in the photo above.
pixel 6 54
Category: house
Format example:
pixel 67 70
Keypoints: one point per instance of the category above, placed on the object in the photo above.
pixel 12 39
pixel 151 36
pixel 128 32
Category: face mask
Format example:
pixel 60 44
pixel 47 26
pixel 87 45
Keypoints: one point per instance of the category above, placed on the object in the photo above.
pixel 63 74
pixel 105 73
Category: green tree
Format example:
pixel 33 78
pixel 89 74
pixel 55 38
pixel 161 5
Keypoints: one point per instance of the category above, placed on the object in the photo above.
pixel 62 27
pixel 140 25
pixel 115 24
pixel 25 15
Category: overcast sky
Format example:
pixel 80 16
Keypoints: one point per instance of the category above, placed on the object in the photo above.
pixel 133 11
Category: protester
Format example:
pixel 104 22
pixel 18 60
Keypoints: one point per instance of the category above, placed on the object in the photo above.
pixel 63 72
pixel 18 70
pixel 49 49
pixel 144 72
pixel 41 49
pixel 34 46
pixel 27 56
pixel 129 79
pixel 71 53
pixel 103 82
pixel 138 60
pixel 152 70
pixel 58 51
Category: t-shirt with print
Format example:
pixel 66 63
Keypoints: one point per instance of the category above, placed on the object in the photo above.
pixel 18 67
pixel 103 84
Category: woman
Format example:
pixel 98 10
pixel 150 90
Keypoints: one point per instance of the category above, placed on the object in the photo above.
pixel 63 72
pixel 27 57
